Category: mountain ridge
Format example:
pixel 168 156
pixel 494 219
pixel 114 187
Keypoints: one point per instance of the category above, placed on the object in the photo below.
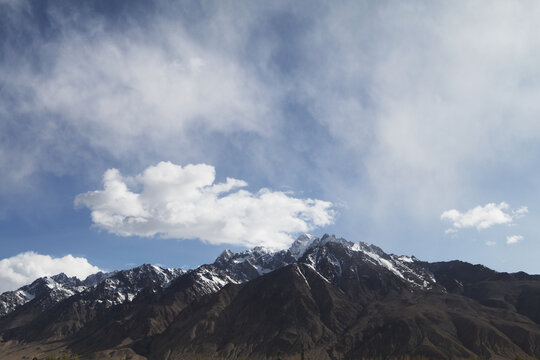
pixel 335 297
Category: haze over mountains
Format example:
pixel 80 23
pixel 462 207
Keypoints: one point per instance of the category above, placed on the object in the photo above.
pixel 328 296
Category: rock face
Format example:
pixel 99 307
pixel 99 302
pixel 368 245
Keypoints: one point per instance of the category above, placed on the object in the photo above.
pixel 328 296
pixel 109 288
pixel 48 291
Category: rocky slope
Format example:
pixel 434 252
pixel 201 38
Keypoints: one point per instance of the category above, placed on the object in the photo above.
pixel 328 296
pixel 51 290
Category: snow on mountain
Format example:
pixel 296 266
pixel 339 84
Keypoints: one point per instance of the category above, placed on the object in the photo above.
pixel 249 264
pixel 123 286
pixel 239 267
pixel 301 244
pixel 331 257
pixel 356 255
pixel 49 289
pixel 104 288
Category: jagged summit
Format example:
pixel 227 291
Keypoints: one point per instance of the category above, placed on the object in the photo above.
pixel 224 256
pixel 333 257
pixel 325 290
pixel 329 254
pixel 108 288
pixel 301 244
pixel 307 241
pixel 48 289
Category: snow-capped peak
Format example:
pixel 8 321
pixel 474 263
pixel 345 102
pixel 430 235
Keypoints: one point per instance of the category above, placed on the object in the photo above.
pixel 109 288
pixel 225 255
pixel 301 244
pixel 263 250
pixel 401 266
pixel 50 289
pixel 332 257
pixel 306 241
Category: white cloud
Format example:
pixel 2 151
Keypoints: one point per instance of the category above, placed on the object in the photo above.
pixel 148 90
pixel 184 202
pixel 483 217
pixel 424 94
pixel 432 92
pixel 119 91
pixel 513 239
pixel 490 243
pixel 24 268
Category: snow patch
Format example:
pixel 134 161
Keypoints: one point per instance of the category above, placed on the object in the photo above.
pixel 25 295
pixel 301 244
pixel 318 273
pixel 406 259
pixel 387 264
pixel 302 275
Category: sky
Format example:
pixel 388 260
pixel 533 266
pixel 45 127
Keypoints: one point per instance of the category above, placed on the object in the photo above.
pixel 164 132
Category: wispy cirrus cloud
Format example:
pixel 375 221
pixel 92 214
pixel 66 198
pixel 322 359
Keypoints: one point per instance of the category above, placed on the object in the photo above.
pixel 483 217
pixel 219 68
pixel 384 103
pixel 185 203
pixel 106 90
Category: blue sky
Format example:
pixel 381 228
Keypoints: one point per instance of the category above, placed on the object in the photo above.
pixel 411 126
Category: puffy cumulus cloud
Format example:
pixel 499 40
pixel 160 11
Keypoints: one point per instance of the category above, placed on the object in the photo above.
pixel 483 217
pixel 185 203
pixel 513 239
pixel 23 268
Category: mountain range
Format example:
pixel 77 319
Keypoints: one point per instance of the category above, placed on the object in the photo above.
pixel 323 298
